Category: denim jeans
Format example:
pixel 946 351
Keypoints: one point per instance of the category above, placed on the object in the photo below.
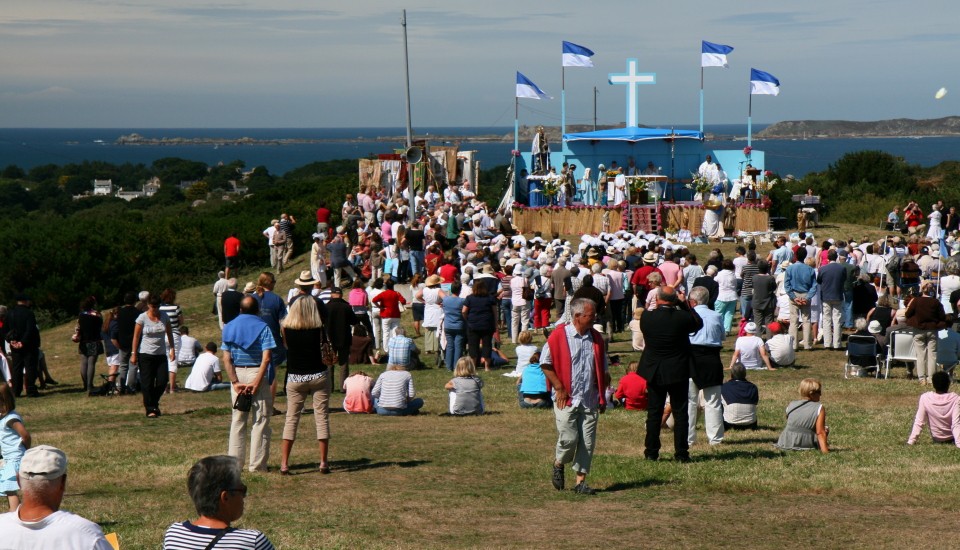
pixel 848 309
pixel 746 307
pixel 506 313
pixel 416 262
pixel 413 407
pixel 456 341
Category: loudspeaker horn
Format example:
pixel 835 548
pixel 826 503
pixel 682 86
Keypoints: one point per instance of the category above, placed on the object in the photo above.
pixel 413 155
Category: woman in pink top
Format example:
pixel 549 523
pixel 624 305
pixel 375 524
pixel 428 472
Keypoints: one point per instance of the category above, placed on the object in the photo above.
pixel 360 303
pixel 939 409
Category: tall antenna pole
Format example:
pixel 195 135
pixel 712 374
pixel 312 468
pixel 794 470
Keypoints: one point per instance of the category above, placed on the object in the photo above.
pixel 406 65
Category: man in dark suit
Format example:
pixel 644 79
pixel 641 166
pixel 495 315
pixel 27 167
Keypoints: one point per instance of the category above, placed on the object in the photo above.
pixel 340 320
pixel 23 335
pixel 764 296
pixel 707 282
pixel 665 366
pixel 123 340
pixel 229 305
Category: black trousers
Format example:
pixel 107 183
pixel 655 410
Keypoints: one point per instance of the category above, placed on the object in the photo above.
pixel 480 344
pixel 616 315
pixel 153 379
pixel 24 360
pixel 656 398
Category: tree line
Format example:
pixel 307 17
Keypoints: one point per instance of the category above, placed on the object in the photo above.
pixel 61 249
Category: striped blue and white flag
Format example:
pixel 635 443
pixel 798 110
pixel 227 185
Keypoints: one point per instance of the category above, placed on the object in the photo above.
pixel 526 88
pixel 762 83
pixel 576 56
pixel 714 55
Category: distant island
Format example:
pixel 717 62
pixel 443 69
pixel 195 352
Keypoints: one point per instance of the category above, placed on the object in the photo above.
pixel 828 129
pixel 789 129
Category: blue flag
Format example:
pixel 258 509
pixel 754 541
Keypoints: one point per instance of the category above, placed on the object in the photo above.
pixel 714 55
pixel 576 56
pixel 526 88
pixel 762 83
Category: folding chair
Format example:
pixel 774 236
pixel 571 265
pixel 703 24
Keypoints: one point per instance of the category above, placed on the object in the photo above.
pixel 862 354
pixel 900 349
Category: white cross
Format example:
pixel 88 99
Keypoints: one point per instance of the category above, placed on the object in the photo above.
pixel 632 79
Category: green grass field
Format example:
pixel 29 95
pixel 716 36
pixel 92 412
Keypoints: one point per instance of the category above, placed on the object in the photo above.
pixel 435 481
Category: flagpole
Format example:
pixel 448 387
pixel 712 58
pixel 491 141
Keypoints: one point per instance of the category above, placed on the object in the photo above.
pixel 406 64
pixel 516 123
pixel 563 105
pixel 594 108
pixel 701 99
pixel 749 115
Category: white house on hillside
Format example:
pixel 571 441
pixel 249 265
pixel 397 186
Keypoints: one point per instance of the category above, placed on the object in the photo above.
pixel 103 187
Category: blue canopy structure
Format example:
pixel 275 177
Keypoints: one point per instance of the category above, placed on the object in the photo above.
pixel 633 134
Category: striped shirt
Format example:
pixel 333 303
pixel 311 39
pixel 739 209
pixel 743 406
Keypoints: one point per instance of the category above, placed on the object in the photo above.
pixel 583 384
pixel 393 389
pixel 174 312
pixel 749 270
pixel 187 536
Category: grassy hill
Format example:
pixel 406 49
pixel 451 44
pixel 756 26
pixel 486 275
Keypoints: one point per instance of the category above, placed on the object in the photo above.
pixel 436 481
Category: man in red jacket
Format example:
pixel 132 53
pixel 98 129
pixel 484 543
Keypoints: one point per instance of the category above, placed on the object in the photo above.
pixel 231 251
pixel 575 364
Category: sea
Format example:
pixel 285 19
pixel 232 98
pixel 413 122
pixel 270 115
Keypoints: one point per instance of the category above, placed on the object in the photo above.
pixel 30 147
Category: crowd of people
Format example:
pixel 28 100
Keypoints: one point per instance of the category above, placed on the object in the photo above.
pixel 472 282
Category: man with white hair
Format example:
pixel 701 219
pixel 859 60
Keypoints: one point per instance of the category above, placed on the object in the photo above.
pixel 707 370
pixel 39 523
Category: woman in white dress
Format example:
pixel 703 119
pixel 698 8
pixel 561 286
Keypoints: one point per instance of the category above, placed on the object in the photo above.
pixel 432 296
pixel 935 229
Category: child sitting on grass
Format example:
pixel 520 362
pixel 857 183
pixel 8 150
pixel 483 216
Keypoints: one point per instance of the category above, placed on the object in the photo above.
pixel 357 399
pixel 632 389
pixel 532 386
pixel 524 351
pixel 465 395
pixel 14 441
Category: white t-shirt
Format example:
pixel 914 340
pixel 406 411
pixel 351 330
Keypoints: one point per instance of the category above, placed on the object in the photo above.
pixel 202 373
pixel 749 348
pixel 60 530
pixel 738 264
pixel 781 350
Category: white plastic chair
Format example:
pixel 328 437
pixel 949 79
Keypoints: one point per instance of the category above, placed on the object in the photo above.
pixel 900 349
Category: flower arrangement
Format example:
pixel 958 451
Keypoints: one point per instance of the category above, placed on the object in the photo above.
pixel 699 184
pixel 747 150
pixel 551 187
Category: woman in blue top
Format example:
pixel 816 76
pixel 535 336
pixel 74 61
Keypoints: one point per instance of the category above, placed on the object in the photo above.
pixel 453 325
pixel 14 441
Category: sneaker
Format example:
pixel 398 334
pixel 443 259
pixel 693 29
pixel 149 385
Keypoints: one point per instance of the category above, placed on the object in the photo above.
pixel 558 477
pixel 583 489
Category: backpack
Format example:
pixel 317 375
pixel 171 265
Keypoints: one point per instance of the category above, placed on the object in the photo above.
pixel 540 290
pixel 893 264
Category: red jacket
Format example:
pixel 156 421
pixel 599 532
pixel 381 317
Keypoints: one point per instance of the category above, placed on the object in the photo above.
pixel 560 354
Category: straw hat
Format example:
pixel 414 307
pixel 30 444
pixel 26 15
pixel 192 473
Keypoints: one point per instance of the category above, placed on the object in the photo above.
pixel 305 279
pixel 433 280
pixel 650 257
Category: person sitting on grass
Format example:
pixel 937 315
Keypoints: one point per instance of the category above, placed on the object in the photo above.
pixel 739 397
pixel 532 391
pixel 357 387
pixel 218 495
pixel 205 374
pixel 806 421
pixel 393 394
pixel 781 346
pixel 940 409
pixel 525 350
pixel 632 388
pixel 750 351
pixel 466 397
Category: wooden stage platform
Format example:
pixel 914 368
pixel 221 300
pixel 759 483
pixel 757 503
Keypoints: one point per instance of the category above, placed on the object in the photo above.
pixel 573 220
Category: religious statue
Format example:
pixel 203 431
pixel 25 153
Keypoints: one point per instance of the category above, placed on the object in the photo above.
pixel 541 152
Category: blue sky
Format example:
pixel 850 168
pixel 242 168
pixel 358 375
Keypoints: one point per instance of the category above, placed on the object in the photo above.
pixel 298 63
